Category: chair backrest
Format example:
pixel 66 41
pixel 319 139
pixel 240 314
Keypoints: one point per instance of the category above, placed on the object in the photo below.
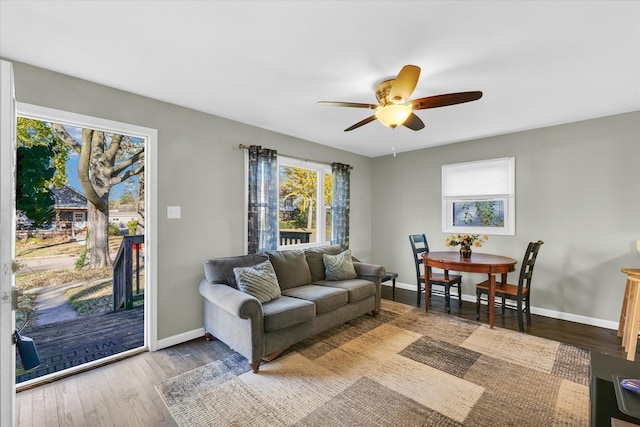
pixel 526 271
pixel 419 246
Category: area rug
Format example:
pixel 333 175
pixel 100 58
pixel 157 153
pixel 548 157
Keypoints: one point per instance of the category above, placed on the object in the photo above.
pixel 402 368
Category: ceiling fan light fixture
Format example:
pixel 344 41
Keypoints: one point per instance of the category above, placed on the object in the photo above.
pixel 393 115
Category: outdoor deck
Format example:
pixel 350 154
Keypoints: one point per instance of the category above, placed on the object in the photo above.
pixel 73 342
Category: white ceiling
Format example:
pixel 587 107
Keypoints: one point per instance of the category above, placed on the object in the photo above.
pixel 266 63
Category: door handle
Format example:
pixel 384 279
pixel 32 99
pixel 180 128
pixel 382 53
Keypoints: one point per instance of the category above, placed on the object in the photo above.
pixel 15 294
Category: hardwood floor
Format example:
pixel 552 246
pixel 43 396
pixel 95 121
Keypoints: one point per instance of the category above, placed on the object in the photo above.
pixel 123 393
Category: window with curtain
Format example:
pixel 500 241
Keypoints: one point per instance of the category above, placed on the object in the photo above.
pixel 479 197
pixel 294 203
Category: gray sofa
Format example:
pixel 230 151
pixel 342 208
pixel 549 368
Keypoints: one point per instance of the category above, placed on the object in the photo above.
pixel 308 304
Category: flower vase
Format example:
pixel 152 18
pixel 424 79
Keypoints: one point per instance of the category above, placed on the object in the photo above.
pixel 465 251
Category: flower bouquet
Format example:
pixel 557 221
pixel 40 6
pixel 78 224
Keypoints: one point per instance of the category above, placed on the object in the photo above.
pixel 466 241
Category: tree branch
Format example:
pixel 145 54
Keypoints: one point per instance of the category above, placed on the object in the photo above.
pixel 128 174
pixel 116 169
pixel 114 146
pixel 84 168
pixel 66 138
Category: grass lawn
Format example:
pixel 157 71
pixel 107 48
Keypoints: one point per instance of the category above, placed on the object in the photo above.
pixel 34 247
pixel 95 296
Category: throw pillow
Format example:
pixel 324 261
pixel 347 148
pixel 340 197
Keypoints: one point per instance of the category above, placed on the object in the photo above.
pixel 259 281
pixel 339 267
pixel 291 268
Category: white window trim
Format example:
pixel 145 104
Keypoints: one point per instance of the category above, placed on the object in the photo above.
pixel 508 199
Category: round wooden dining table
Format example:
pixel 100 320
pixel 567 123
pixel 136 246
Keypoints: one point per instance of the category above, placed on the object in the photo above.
pixel 477 263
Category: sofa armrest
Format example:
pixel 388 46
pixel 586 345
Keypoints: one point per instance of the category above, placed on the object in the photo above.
pixel 373 273
pixel 372 270
pixel 240 304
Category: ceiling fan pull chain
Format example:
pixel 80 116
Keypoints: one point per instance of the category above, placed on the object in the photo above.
pixel 393 142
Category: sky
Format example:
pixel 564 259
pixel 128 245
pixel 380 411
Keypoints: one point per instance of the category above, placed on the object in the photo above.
pixel 72 171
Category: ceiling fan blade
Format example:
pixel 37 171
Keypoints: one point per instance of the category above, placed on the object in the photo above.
pixel 414 122
pixel 347 104
pixel 361 123
pixel 404 84
pixel 444 100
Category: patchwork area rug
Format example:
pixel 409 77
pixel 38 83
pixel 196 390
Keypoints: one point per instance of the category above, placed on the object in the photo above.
pixel 402 368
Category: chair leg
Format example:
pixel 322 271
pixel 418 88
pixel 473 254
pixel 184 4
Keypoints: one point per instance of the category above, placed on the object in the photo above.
pixel 459 294
pixel 447 298
pixel 503 306
pixel 477 305
pixel 419 294
pixel 520 320
pixel 528 311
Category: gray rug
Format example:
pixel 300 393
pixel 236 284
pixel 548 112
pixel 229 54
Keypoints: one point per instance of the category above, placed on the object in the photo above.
pixel 402 368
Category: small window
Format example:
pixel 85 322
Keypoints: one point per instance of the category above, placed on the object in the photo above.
pixel 304 203
pixel 479 197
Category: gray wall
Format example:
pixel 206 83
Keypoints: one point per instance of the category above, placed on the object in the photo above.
pixel 200 168
pixel 576 189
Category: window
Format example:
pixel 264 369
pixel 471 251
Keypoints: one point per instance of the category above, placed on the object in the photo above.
pixel 479 197
pixel 304 203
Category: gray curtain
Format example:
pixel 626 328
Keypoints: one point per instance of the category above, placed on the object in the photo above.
pixel 340 204
pixel 263 200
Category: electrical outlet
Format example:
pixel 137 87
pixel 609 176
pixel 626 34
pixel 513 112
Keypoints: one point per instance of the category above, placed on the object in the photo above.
pixel 173 212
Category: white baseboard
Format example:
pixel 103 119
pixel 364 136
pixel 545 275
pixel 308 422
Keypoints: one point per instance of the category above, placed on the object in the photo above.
pixel 607 324
pixel 180 338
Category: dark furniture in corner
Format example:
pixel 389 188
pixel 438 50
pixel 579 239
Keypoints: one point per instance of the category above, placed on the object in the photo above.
pixel 390 275
pixel 604 404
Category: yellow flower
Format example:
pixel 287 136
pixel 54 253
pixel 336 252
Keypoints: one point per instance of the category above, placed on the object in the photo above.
pixel 466 240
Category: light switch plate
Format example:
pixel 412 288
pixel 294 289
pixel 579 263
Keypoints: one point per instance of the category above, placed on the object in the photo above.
pixel 173 212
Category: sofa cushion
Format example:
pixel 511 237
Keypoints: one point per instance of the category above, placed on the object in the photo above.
pixel 291 268
pixel 339 267
pixel 285 311
pixel 357 289
pixel 259 281
pixel 325 298
pixel 220 270
pixel 315 261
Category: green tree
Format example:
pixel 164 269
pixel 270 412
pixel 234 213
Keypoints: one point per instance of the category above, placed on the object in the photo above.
pixel 300 185
pixel 33 173
pixel 126 198
pixel 32 133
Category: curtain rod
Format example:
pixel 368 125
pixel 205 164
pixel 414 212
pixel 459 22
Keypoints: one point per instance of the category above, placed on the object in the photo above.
pixel 246 147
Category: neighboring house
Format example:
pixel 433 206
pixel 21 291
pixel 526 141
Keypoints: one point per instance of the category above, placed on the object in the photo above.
pixel 71 208
pixel 120 219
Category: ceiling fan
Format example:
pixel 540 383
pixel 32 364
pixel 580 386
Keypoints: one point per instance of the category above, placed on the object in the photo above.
pixel 394 109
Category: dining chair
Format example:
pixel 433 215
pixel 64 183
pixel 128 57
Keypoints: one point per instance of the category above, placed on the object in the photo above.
pixel 420 246
pixel 519 293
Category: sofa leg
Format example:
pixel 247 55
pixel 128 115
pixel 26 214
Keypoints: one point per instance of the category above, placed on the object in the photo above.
pixel 375 312
pixel 255 366
pixel 208 336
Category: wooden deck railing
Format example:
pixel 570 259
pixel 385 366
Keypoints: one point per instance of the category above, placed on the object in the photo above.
pixel 126 263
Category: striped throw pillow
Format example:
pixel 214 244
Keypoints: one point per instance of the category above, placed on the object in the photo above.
pixel 339 267
pixel 259 281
